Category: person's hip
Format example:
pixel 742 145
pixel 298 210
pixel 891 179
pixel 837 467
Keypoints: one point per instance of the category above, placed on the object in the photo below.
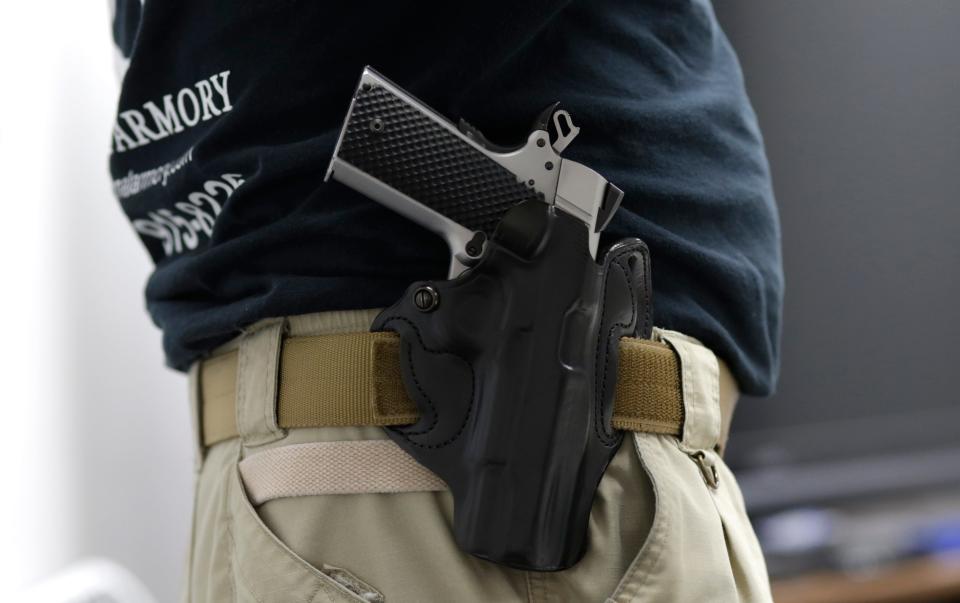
pixel 301 495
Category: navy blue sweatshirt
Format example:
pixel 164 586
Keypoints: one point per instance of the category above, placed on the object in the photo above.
pixel 229 112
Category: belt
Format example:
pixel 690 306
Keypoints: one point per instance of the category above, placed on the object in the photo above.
pixel 353 379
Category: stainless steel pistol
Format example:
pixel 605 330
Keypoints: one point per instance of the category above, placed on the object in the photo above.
pixel 451 179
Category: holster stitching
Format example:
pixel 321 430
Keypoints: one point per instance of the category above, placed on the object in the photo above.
pixel 473 388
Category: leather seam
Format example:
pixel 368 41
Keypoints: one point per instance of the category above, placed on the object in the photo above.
pixel 433 407
pixel 473 388
pixel 614 438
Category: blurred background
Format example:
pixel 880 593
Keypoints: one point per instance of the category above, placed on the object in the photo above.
pixel 851 472
pixel 854 466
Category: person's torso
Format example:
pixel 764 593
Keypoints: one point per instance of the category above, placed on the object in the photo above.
pixel 229 113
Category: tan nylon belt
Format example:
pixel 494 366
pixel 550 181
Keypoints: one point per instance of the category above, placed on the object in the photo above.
pixel 354 379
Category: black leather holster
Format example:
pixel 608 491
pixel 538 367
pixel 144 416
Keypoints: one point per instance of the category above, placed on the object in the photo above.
pixel 513 367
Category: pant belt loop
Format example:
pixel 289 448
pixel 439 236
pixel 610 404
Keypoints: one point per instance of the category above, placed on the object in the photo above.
pixel 258 364
pixel 700 375
pixel 193 385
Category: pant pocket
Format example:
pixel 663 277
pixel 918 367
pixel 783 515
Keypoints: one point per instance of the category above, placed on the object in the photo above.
pixel 402 543
pixel 235 557
pixel 268 570
pixel 701 546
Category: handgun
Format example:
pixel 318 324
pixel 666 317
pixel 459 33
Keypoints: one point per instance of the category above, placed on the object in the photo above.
pixel 450 179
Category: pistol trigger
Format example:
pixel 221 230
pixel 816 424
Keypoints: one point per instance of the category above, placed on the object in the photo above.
pixel 565 129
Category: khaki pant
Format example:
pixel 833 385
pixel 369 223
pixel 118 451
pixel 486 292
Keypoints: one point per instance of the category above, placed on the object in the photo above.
pixel 658 530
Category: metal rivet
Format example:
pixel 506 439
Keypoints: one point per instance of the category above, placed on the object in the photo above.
pixel 707 468
pixel 475 245
pixel 376 124
pixel 541 142
pixel 426 298
pixel 548 165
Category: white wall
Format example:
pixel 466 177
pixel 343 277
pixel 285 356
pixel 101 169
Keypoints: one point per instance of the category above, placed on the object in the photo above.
pixel 95 456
